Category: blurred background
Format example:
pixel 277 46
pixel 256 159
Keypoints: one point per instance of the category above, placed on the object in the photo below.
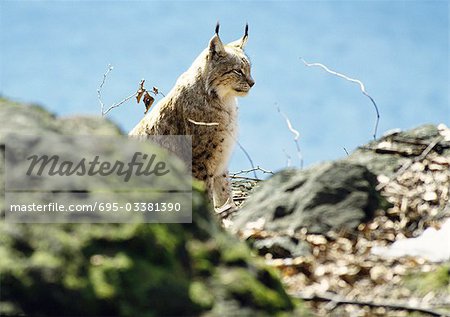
pixel 55 54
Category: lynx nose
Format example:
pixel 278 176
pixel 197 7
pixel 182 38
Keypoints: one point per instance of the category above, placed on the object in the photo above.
pixel 250 81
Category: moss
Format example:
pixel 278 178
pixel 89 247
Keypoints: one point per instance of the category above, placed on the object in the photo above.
pixel 104 273
pixel 235 253
pixel 133 270
pixel 201 295
pixel 127 269
pixel 242 284
pixel 205 255
pixel 423 283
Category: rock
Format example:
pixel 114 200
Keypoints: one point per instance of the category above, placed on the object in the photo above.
pixel 25 119
pixel 127 269
pixel 386 155
pixel 336 196
pixel 84 125
pixel 34 119
pixel 331 196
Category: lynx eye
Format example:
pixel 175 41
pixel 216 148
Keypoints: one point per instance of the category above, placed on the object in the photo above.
pixel 238 72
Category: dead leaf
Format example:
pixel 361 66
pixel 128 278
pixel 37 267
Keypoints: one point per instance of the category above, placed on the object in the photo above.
pixel 148 101
pixel 140 91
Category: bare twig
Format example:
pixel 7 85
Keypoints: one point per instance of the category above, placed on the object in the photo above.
pixel 118 104
pixel 288 158
pixel 361 86
pixel 248 157
pixel 405 166
pixel 296 136
pixel 257 168
pixel 148 100
pixel 99 90
pixel 245 178
pixel 99 94
pixel 429 148
pixel 346 152
pixel 342 301
pixel 203 123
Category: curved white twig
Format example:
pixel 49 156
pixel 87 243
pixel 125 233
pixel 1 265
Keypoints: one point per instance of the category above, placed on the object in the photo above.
pixel 296 135
pixel 203 123
pixel 356 81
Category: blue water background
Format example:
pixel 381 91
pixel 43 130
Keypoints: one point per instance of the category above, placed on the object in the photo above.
pixel 54 53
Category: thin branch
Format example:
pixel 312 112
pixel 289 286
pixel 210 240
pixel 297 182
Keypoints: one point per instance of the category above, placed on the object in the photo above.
pixel 118 104
pixel 429 148
pixel 257 168
pixel 99 94
pixel 342 301
pixel 289 124
pixel 288 158
pixel 245 178
pixel 248 157
pixel 361 86
pixel 346 152
pixel 141 92
pixel 203 123
pixel 99 90
pixel 407 164
pixel 296 136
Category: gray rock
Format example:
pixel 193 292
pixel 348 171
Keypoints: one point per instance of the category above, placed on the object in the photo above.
pixel 33 119
pixel 126 269
pixel 330 196
pixel 386 155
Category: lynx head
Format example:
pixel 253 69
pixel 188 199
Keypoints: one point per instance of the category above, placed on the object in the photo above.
pixel 228 67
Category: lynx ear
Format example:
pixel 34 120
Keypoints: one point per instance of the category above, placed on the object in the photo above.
pixel 242 41
pixel 215 44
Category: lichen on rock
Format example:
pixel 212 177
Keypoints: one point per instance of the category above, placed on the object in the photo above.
pixel 126 269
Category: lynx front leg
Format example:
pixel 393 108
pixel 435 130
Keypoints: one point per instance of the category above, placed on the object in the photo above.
pixel 222 196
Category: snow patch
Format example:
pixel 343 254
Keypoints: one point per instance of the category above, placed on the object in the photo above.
pixel 432 245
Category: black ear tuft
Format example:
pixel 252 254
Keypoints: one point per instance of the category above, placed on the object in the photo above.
pixel 246 30
pixel 217 28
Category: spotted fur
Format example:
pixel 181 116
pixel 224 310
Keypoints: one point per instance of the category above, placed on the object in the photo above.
pixel 206 93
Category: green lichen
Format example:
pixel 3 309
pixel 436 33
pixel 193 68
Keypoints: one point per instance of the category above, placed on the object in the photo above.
pixel 235 253
pixel 437 280
pixel 127 269
pixel 201 295
pixel 249 290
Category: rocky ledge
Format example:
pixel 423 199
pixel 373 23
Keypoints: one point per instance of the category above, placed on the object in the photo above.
pixel 319 225
pixel 139 269
pixel 314 228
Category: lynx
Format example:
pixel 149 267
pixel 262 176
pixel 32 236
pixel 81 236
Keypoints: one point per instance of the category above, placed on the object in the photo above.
pixel 203 104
